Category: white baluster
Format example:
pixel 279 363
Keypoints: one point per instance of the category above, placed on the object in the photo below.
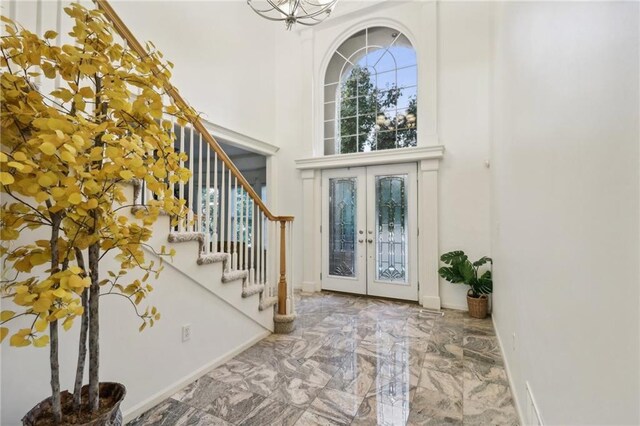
pixel 229 203
pixel 148 195
pixel 245 233
pixel 253 252
pixel 240 231
pixel 216 201
pixel 236 226
pixel 181 184
pixel 191 180
pixel 198 209
pixel 208 226
pixel 268 255
pixel 260 249
pixel 222 207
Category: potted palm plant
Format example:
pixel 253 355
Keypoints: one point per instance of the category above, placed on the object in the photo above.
pixel 65 153
pixel 460 270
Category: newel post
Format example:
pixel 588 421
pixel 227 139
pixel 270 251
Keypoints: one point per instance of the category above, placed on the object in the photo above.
pixel 282 283
pixel 285 317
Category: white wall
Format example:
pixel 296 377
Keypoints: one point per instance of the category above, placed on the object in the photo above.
pixel 464 66
pixel 224 56
pixel 147 363
pixel 565 207
pixel 464 73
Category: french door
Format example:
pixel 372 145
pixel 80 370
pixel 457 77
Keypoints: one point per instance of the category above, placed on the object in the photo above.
pixel 369 231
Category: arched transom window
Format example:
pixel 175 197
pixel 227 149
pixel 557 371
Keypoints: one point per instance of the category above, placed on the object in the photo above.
pixel 370 93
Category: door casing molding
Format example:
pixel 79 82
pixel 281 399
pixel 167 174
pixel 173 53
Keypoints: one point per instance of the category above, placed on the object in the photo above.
pixel 428 159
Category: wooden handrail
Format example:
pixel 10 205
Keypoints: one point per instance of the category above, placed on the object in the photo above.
pixel 126 34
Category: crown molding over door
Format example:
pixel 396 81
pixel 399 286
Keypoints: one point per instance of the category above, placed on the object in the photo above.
pixel 389 156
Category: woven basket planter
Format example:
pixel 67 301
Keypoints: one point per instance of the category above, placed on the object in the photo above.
pixel 477 306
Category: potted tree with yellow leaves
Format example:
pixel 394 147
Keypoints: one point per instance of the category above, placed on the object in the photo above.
pixel 66 153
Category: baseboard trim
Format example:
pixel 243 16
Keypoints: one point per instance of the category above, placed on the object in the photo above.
pixel 456 307
pixel 514 394
pixel 155 399
pixel 309 286
pixel 431 302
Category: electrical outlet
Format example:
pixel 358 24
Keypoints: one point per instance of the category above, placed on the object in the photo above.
pixel 513 341
pixel 186 332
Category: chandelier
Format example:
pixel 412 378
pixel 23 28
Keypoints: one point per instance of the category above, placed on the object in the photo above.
pixel 303 12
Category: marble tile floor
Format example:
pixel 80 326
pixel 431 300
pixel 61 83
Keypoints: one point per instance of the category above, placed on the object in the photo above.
pixel 354 361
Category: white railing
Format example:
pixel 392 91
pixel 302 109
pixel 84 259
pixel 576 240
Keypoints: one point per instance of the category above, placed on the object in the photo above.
pixel 223 212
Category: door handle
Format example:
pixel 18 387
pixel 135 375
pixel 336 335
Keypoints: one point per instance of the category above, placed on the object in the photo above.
pixel 369 240
pixel 361 240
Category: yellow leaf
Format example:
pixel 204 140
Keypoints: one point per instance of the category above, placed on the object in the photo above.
pixel 75 198
pixel 42 305
pixel 75 281
pixel 21 289
pixel 88 69
pixel 60 293
pixel 6 315
pixel 6 178
pixel 60 124
pixel 19 341
pixel 3 333
pixel 86 92
pixel 48 148
pixel 19 156
pixel 3 157
pixel 45 181
pixel 75 269
pixel 126 174
pixel 41 325
pixel 16 165
pixel 67 324
pixel 41 196
pixel 68 157
pixel 41 341
pixel 78 139
pixel 58 193
pixel 50 34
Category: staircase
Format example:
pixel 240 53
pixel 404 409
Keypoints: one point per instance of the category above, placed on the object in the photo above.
pixel 230 242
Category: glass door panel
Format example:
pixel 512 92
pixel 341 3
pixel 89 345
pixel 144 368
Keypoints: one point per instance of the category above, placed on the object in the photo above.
pixel 391 228
pixel 342 226
pixel 343 223
pixel 392 210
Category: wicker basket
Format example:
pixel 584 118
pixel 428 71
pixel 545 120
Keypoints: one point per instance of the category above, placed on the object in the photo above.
pixel 477 306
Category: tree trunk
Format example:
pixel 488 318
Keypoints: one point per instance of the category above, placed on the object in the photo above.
pixel 82 345
pixel 94 328
pixel 94 289
pixel 56 406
